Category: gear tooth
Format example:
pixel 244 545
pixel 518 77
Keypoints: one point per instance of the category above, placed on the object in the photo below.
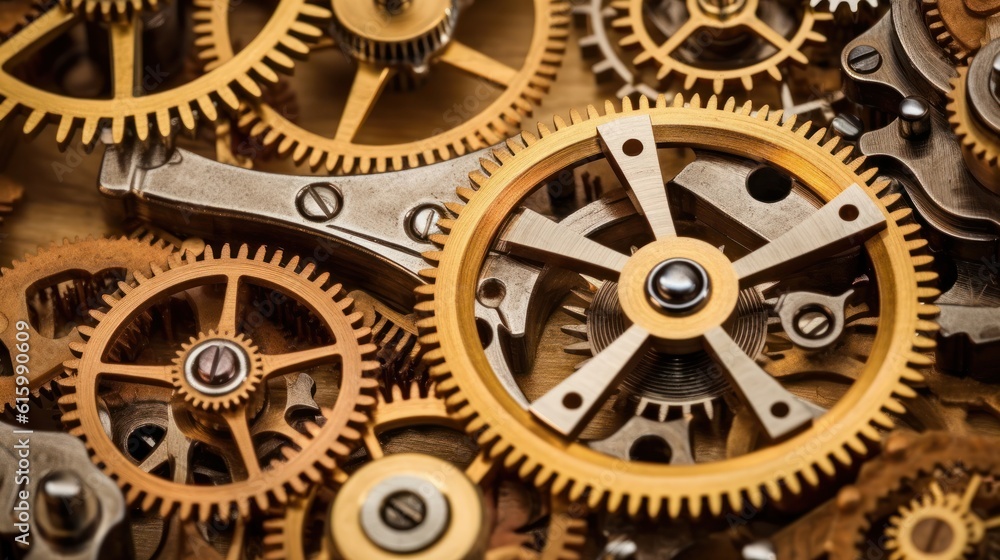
pixel 730 106
pixel 694 506
pixel 559 123
pixel 678 100
pixel 695 101
pixel 746 81
pixel 746 109
pixel 763 112
pixel 674 507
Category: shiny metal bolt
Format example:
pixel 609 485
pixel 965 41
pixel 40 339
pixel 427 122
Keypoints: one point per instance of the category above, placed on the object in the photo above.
pixel 995 77
pixel 319 202
pixel 864 59
pixel 847 126
pixel 217 365
pixel 403 511
pixel 66 508
pixel 678 285
pixel 423 221
pixel 914 118
pixel 814 323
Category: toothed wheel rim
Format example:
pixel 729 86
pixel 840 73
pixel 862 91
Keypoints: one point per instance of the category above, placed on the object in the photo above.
pixel 109 10
pixel 524 88
pixel 318 451
pixel 292 25
pixel 463 373
pixel 786 49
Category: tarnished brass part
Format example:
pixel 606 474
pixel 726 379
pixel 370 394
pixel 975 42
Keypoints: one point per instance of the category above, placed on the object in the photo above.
pixel 292 25
pixel 522 88
pixel 980 147
pixel 908 458
pixel 960 26
pixel 466 377
pixel 79 261
pixel 316 450
pixel 108 10
pixel 735 17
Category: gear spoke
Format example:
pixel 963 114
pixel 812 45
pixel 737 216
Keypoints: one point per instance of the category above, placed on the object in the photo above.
pixel 227 317
pixel 679 37
pixel 766 32
pixel 477 64
pixel 369 81
pixel 126 57
pixel 777 411
pixel 39 33
pixel 537 237
pixel 280 364
pixel 630 147
pixel 848 220
pixel 236 420
pixel 134 373
pixel 572 403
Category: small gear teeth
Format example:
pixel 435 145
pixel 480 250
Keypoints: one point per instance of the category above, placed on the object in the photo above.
pixel 108 10
pixel 609 65
pixel 327 444
pixel 465 397
pixel 853 5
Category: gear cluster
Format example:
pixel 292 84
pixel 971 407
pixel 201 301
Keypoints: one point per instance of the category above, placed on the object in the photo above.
pixel 498 280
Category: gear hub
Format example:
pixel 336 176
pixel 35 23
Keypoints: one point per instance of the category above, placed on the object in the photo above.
pixel 394 32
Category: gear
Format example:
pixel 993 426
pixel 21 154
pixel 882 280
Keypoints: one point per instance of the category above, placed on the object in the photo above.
pixel 924 499
pixel 346 153
pixel 521 438
pixel 16 14
pixel 961 27
pixel 292 24
pixel 853 5
pixel 309 449
pixel 288 534
pixel 671 56
pixel 31 288
pixel 596 43
pixel 980 143
pixel 108 10
pixel 410 37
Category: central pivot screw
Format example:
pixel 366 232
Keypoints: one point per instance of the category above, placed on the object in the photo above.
pixel 678 285
pixel 393 7
pixel 217 364
pixel 403 511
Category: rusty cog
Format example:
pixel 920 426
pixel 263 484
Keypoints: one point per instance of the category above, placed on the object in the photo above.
pixel 47 293
pixel 924 498
pixel 168 477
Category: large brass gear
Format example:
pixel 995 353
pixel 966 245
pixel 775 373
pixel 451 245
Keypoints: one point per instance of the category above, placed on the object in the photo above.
pixel 522 88
pixel 512 434
pixel 291 26
pixel 932 478
pixel 717 19
pixel 409 407
pixel 961 27
pixel 82 261
pixel 309 450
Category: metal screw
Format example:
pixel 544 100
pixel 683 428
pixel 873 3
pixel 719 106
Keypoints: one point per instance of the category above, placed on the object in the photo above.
pixel 403 511
pixel 914 118
pixel 848 126
pixel 813 324
pixel 933 536
pixel 864 59
pixel 319 202
pixel 217 365
pixel 423 221
pixel 67 509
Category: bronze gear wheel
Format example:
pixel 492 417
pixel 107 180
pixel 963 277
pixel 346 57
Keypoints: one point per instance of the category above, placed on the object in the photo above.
pixel 706 17
pixel 286 534
pixel 81 261
pixel 961 27
pixel 881 499
pixel 522 88
pixel 513 435
pixel 314 449
pixel 980 147
pixel 109 10
pixel 286 34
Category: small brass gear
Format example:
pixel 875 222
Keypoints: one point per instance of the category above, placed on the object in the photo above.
pixel 108 10
pixel 309 450
pixel 291 27
pixel 242 348
pixel 92 264
pixel 521 439
pixel 732 19
pixel 961 27
pixel 925 498
pixel 521 89
pixel 980 146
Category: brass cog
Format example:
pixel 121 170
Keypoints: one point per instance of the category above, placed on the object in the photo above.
pixel 961 27
pixel 728 20
pixel 411 33
pixel 311 448
pixel 917 498
pixel 241 348
pixel 108 10
pixel 980 147
pixel 286 34
pixel 522 88
pixel 79 260
pixel 517 437
pixel 287 535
